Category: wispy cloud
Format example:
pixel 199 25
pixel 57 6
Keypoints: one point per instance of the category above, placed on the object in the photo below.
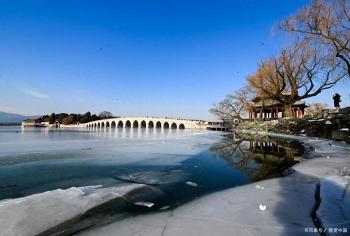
pixel 35 94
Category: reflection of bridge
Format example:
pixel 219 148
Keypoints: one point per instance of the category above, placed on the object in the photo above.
pixel 147 122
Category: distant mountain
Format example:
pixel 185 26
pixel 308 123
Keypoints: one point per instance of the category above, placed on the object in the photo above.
pixel 13 118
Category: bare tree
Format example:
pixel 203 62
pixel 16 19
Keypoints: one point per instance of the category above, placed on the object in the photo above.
pixel 299 72
pixel 326 23
pixel 233 106
pixel 315 109
pixel 68 120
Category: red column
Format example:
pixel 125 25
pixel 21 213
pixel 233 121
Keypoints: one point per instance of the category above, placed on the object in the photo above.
pixel 300 113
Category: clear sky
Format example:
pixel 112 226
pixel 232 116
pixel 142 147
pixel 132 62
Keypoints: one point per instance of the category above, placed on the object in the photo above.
pixel 133 58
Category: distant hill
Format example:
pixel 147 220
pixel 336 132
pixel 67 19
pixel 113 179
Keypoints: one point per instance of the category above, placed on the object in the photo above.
pixel 13 118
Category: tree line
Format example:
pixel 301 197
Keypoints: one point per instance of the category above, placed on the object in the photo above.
pixel 68 119
pixel 317 58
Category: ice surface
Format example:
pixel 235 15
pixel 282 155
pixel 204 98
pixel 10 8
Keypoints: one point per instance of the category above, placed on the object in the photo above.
pixel 289 202
pixel 334 211
pixel 233 211
pixel 62 210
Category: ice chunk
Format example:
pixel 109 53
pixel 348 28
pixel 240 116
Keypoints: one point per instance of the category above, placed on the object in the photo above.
pixel 146 204
pixel 57 211
pixel 191 184
pixel 262 207
pixel 152 177
pixel 164 208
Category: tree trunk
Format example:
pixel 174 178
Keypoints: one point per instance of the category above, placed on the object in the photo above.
pixel 289 111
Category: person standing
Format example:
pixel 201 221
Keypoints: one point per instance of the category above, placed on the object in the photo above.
pixel 337 100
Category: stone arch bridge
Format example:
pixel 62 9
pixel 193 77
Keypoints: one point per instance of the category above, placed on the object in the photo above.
pixel 147 122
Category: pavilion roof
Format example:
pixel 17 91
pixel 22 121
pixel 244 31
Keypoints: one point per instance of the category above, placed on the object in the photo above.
pixel 274 103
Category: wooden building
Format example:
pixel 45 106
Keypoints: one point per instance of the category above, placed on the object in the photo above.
pixel 34 123
pixel 269 109
pixel 29 123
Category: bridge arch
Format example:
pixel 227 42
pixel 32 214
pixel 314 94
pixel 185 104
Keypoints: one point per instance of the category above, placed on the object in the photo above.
pixel 166 125
pixel 146 122
pixel 143 124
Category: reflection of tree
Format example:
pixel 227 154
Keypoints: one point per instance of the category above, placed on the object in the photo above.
pixel 231 151
pixel 258 158
pixel 234 150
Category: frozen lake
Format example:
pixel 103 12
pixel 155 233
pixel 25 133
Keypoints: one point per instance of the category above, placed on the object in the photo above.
pixel 183 164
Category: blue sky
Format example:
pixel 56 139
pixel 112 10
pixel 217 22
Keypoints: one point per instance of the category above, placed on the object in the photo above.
pixel 133 58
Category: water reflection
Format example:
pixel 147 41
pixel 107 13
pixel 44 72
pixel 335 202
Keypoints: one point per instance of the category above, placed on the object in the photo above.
pixel 127 132
pixel 259 158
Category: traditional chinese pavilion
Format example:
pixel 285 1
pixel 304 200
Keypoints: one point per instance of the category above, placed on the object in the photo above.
pixel 269 109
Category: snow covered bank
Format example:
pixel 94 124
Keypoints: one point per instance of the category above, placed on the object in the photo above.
pixel 333 171
pixel 331 165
